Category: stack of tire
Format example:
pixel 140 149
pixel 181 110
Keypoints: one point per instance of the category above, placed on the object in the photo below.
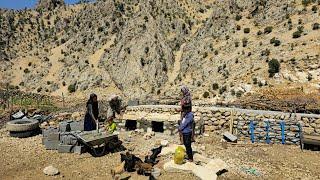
pixel 22 128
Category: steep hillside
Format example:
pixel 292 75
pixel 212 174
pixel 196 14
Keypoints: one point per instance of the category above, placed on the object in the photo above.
pixel 147 49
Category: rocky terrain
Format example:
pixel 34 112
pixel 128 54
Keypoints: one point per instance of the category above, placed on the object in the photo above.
pixel 146 49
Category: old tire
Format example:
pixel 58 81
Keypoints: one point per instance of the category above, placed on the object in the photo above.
pixel 21 125
pixel 24 134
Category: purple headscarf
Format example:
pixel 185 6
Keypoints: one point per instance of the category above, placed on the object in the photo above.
pixel 186 100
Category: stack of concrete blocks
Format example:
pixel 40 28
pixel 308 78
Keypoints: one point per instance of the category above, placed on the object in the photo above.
pixel 62 138
pixel 51 137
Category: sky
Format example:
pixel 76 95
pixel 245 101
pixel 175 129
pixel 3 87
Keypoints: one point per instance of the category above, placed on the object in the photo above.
pixel 21 4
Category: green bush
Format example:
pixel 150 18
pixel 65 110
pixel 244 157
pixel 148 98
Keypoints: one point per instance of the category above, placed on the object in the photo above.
pixel 72 88
pixel 206 94
pixel 296 34
pixel 215 86
pixel 244 42
pixel 268 30
pixel 222 89
pixel 26 70
pixel 306 2
pixel 275 42
pixel 274 67
pixel 246 30
pixel 314 8
pixel 238 17
pixel 315 26
pixel 255 80
pixel 238 27
pixel 39 89
pixel 259 33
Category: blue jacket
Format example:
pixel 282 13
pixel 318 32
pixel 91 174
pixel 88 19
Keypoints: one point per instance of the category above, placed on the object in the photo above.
pixel 186 125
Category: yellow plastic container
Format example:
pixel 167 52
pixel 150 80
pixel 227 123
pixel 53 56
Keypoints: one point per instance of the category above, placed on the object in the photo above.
pixel 179 155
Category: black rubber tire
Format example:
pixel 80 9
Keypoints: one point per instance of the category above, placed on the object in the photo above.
pixel 21 125
pixel 24 134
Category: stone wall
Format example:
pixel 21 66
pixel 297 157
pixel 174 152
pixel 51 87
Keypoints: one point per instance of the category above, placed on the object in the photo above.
pixel 216 119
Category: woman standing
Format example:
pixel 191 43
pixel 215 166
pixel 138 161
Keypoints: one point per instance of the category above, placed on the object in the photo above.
pixel 92 114
pixel 186 107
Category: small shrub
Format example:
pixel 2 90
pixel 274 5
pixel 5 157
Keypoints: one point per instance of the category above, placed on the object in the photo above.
pixel 62 41
pixel 206 94
pixel 314 8
pixel 222 89
pixel 39 89
pixel 309 77
pixel 259 33
pixel 268 30
pixel 238 27
pixel 274 67
pixel 239 94
pixel 63 83
pixel 205 55
pixel 215 86
pixel 216 52
pixel 315 26
pixel 48 82
pixel 238 17
pixel 100 29
pixel 275 42
pixel 244 42
pixel 296 34
pixel 30 63
pixel 255 80
pixel 236 44
pixel 246 30
pixel 72 88
pixel 146 50
pixel 26 70
pixel 306 2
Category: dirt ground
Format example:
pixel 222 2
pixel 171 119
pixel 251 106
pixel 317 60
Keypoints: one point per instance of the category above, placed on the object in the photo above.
pixel 26 159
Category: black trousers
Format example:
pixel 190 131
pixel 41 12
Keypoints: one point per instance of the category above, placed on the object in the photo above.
pixel 187 138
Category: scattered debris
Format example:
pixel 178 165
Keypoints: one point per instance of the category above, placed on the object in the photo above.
pixel 164 143
pixel 18 115
pixel 50 171
pixel 250 170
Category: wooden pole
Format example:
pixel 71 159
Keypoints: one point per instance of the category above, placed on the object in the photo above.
pixel 231 123
pixel 63 103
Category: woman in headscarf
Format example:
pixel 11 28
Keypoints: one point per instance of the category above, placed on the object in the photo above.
pixel 186 107
pixel 92 114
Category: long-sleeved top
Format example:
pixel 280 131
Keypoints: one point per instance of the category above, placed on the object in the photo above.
pixel 186 124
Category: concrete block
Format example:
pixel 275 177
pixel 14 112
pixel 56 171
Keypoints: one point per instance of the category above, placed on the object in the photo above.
pixel 62 148
pixel 53 136
pixel 229 137
pixel 50 145
pixel 46 132
pixel 77 126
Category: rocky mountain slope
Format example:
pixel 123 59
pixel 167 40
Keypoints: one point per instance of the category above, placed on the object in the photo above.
pixel 148 48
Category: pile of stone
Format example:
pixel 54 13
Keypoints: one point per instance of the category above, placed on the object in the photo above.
pixel 62 138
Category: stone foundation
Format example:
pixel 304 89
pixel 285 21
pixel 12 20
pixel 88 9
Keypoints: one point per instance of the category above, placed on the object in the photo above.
pixel 208 119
